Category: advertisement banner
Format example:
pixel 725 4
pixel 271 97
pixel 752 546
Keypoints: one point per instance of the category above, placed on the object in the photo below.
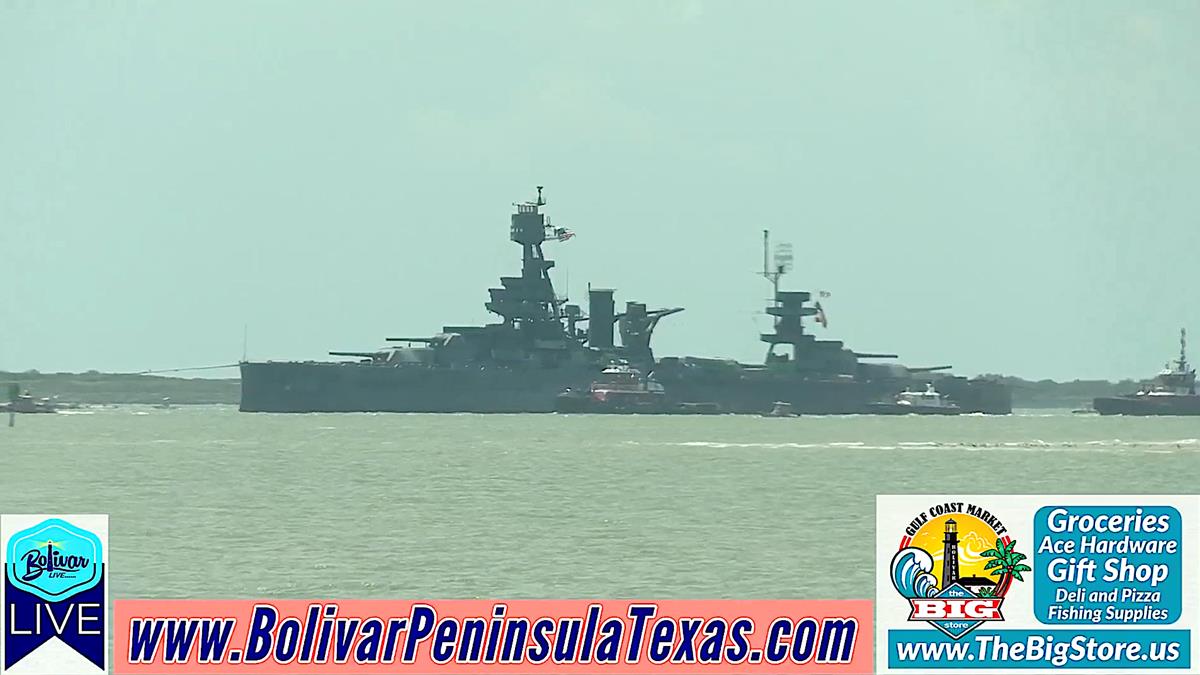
pixel 492 636
pixel 55 594
pixel 1036 583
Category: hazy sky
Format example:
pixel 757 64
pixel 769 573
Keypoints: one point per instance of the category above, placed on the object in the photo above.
pixel 1001 186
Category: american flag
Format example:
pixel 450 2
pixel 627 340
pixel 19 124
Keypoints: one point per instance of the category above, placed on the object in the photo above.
pixel 821 316
pixel 563 234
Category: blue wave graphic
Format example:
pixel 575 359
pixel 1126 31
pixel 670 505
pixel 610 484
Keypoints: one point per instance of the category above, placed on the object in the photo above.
pixel 911 576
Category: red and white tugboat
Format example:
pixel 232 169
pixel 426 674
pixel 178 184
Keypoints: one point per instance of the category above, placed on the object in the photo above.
pixel 620 388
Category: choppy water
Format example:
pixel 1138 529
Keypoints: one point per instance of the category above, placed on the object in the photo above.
pixel 208 502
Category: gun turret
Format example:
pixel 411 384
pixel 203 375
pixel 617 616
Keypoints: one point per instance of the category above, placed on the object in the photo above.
pixel 636 326
pixel 379 357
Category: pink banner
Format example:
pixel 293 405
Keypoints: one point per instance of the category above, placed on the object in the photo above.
pixel 492 636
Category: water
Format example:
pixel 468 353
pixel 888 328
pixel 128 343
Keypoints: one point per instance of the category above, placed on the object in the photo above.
pixel 208 502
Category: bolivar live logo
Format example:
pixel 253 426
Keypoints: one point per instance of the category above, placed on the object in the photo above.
pixel 54 594
pixel 948 557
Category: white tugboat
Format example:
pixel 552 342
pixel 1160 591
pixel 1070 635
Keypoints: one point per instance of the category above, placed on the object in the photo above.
pixel 26 403
pixel 781 409
pixel 928 402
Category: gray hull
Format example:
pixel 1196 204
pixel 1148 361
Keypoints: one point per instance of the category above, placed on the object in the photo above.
pixel 300 387
pixel 1148 405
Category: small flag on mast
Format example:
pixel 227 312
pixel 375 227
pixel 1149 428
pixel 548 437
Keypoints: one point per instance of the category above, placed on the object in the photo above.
pixel 563 234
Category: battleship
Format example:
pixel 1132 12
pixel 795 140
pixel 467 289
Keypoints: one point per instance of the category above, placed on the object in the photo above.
pixel 1171 392
pixel 540 349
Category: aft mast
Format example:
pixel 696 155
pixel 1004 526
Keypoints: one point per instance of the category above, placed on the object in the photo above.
pixel 1183 364
pixel 1185 374
pixel 783 262
pixel 788 307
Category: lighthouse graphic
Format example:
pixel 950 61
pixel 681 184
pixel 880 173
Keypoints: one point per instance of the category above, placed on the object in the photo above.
pixel 950 554
pixel 953 590
pixel 951 573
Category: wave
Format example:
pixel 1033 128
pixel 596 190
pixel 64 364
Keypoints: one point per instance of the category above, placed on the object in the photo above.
pixel 1110 445
pixel 911 573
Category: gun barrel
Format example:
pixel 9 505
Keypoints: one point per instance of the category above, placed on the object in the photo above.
pixel 666 312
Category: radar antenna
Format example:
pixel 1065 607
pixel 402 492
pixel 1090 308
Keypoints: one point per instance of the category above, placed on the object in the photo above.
pixel 782 262
pixel 532 207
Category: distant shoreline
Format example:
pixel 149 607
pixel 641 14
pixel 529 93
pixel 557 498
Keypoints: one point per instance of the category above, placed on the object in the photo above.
pixel 95 388
pixel 127 388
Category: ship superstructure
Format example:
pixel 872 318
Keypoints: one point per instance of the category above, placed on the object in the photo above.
pixel 517 364
pixel 1171 392
pixel 810 374
pixel 537 350
pixel 537 327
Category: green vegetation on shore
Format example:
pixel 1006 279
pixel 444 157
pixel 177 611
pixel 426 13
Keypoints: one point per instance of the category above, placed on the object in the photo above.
pixel 1051 394
pixel 121 388
pixel 118 388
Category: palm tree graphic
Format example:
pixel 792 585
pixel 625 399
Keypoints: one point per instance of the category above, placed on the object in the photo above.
pixel 1005 563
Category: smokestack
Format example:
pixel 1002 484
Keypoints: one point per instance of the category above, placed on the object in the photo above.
pixel 600 318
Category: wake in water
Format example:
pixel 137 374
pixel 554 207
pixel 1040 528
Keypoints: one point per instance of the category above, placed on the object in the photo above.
pixel 1035 445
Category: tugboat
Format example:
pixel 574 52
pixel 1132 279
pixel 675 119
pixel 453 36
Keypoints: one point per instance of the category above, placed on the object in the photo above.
pixel 781 409
pixel 623 389
pixel 620 388
pixel 26 403
pixel 928 402
pixel 1172 392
